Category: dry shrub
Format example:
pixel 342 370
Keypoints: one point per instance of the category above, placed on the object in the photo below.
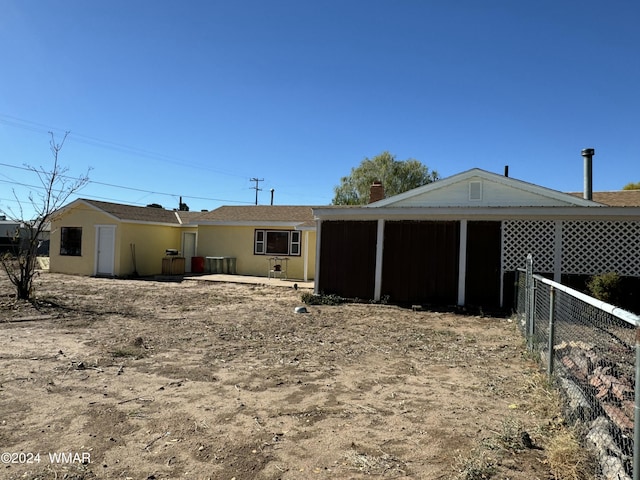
pixel 540 396
pixel 568 460
pixel 478 465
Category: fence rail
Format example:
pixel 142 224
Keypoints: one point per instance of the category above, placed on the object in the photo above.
pixel 591 350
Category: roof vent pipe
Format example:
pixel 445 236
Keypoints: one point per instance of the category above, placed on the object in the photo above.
pixel 506 170
pixel 588 154
pixel 272 190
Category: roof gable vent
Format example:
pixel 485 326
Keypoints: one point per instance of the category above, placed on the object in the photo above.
pixel 475 191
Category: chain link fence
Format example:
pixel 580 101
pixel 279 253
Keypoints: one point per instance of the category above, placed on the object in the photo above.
pixel 591 351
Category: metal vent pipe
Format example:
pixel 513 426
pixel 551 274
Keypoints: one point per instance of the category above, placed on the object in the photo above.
pixel 588 154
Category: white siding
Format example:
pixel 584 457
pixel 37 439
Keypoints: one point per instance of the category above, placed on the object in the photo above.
pixel 493 195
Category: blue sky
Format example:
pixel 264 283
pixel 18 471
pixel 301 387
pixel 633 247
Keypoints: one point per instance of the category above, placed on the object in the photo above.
pixel 194 98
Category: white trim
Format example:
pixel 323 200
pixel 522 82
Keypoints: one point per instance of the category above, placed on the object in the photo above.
pixel 377 290
pixel 290 242
pixel 318 242
pixel 246 223
pixel 305 259
pixel 479 213
pixel 462 262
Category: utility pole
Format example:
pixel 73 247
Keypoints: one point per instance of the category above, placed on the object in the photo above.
pixel 256 188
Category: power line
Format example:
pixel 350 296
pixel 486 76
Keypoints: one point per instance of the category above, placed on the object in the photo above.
pixel 113 186
pixel 107 144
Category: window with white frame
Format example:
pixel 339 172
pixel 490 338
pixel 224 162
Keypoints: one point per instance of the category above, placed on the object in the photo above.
pixel 276 242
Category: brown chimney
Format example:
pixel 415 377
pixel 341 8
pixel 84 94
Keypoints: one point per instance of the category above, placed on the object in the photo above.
pixel 377 191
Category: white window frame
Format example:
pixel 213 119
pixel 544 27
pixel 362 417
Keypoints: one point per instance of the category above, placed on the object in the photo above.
pixel 294 242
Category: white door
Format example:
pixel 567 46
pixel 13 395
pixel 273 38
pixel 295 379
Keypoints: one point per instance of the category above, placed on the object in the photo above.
pixel 105 245
pixel 188 249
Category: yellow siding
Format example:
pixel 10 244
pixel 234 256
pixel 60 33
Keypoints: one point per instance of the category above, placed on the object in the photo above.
pixel 80 216
pixel 150 242
pixel 232 241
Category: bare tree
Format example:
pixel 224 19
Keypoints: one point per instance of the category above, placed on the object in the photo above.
pixel 57 187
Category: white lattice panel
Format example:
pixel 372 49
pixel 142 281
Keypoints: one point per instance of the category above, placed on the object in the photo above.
pixel 592 248
pixel 523 237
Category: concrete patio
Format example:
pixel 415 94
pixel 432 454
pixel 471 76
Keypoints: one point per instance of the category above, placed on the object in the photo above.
pixel 275 282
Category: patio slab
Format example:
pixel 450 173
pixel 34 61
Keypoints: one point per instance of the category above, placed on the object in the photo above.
pixel 276 282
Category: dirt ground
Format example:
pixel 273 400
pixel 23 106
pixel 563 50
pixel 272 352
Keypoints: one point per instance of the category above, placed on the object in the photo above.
pixel 151 380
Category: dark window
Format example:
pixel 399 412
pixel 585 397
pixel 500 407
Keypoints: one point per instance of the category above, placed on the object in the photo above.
pixel 71 241
pixel 276 242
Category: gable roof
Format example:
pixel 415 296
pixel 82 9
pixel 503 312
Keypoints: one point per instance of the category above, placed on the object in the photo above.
pixel 291 215
pixel 130 213
pixel 507 192
pixel 619 198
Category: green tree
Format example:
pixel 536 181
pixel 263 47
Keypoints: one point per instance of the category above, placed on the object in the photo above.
pixel 632 186
pixel 56 188
pixel 397 176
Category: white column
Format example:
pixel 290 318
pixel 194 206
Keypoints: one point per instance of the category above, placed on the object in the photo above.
pixel 305 259
pixel 316 282
pixel 462 262
pixel 379 251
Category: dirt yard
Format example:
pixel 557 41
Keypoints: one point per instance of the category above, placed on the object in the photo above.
pixel 134 379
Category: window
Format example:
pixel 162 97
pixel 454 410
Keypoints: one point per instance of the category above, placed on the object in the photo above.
pixel 259 244
pixel 276 242
pixel 71 241
pixel 295 243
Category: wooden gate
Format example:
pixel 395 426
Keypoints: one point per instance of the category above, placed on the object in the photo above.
pixel 347 258
pixel 420 263
pixel 482 282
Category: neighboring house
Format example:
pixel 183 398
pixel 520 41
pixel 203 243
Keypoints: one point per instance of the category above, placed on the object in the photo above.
pixel 8 234
pixel 90 237
pixel 14 236
pixel 460 241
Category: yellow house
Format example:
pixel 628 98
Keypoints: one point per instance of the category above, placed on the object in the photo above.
pixel 259 237
pixel 90 237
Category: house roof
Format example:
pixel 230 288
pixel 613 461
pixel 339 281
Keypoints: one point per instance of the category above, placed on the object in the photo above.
pixel 453 191
pixel 300 215
pixel 619 198
pixel 282 215
pixel 136 214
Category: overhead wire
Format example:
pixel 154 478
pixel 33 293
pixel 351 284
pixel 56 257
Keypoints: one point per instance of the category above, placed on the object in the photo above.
pixel 109 145
pixel 151 192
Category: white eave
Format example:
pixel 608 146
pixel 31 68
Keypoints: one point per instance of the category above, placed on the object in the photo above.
pixel 478 213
